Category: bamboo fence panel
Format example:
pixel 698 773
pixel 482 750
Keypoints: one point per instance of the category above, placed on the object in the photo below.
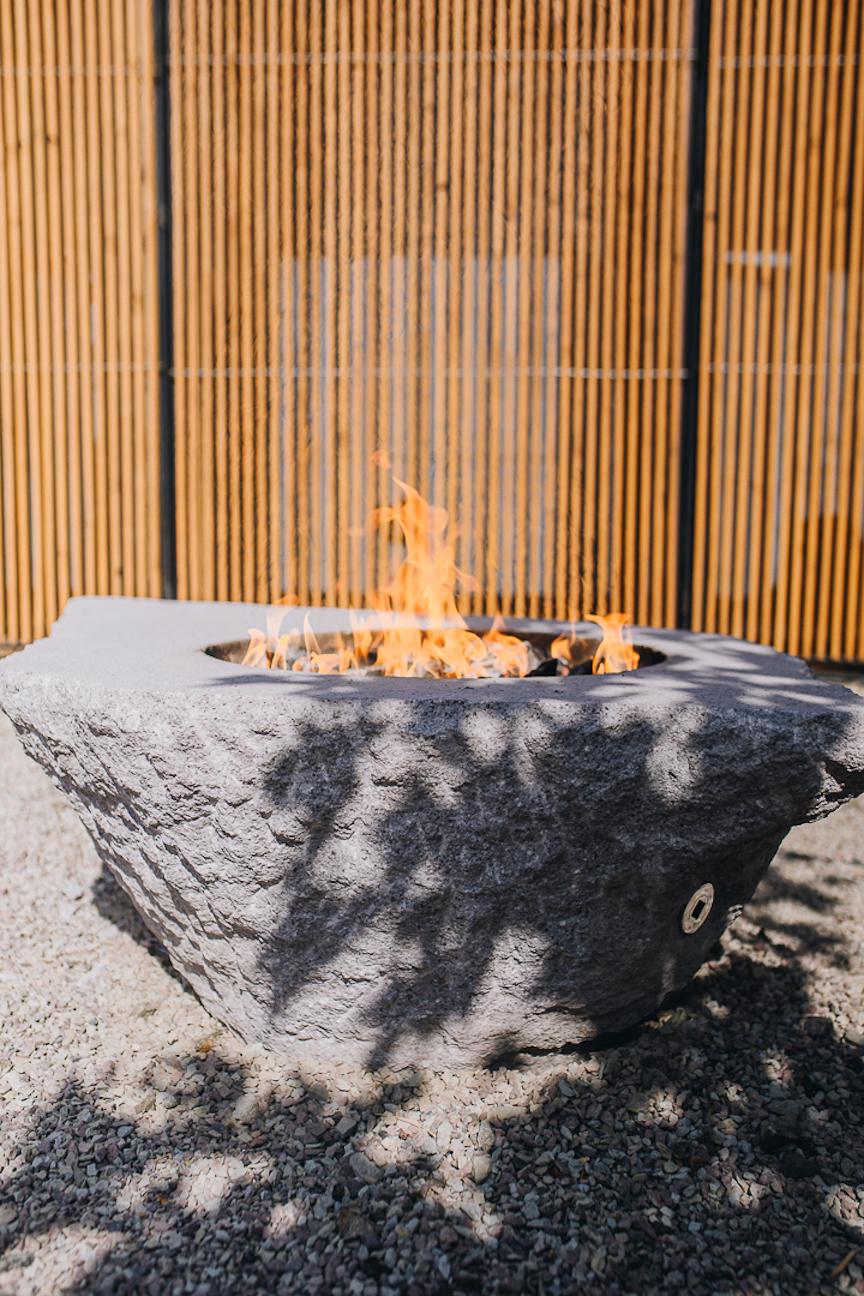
pixel 453 233
pixel 780 504
pixel 79 434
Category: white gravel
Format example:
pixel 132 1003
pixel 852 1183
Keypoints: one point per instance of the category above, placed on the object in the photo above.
pixel 719 1149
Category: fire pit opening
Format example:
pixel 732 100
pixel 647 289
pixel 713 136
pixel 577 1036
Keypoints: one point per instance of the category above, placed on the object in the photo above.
pixel 545 656
pixel 414 628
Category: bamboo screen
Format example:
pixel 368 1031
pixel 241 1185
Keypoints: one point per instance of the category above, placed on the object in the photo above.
pixel 463 233
pixel 451 231
pixel 79 418
pixel 780 503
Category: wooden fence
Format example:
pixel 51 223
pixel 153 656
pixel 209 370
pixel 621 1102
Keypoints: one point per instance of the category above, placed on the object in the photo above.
pixel 780 463
pixel 588 273
pixel 79 417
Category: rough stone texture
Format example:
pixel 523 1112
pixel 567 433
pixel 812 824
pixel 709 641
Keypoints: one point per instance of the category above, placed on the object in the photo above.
pixel 392 871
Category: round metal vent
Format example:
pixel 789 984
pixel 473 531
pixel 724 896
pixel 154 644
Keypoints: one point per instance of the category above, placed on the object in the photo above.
pixel 697 909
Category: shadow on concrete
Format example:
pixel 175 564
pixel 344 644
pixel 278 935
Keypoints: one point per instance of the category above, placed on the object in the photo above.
pixel 445 849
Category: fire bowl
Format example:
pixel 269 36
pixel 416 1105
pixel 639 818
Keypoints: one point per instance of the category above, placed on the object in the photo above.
pixel 440 872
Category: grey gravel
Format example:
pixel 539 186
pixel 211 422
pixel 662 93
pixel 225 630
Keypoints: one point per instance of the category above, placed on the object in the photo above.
pixel 717 1148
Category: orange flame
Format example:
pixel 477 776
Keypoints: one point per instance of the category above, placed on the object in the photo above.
pixel 417 629
pixel 615 651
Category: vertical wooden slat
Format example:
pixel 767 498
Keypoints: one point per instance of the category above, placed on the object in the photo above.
pixel 550 353
pixel 853 593
pixel 514 501
pixel 491 378
pixel 789 356
pixel 178 75
pixel 26 482
pixel 746 253
pixel 635 359
pixel 439 73
pixel 15 601
pixel 307 271
pixel 358 300
pixel 66 237
pixel 41 322
pixel 233 295
pixel 282 356
pixel 137 576
pixel 565 593
pixel 667 458
pixel 648 323
pixel 52 330
pixel 421 427
pixel 125 414
pixel 538 443
pixel 740 93
pixel 220 74
pixel 110 433
pixel 765 308
pixel 328 291
pixel 591 288
pixel 703 540
pixel 829 227
pixel 409 464
pixel 203 481
pixel 687 33
pixel 29 356
pixel 604 217
pixel 244 448
pixel 476 326
pixel 849 534
pixel 718 386
pixel 399 325
pixel 321 352
pixel 339 524
pixel 151 217
pixel 459 282
pixel 265 547
pixel 376 158
pixel 776 510
pixel 797 636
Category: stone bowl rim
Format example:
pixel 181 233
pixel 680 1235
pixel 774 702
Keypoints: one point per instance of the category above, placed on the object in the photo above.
pixel 219 651
pixel 154 648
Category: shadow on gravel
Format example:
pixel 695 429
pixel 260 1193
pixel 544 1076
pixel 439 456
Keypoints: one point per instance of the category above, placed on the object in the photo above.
pixel 604 1187
pixel 112 902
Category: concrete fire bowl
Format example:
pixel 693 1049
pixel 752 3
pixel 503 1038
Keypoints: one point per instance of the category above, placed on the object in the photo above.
pixel 385 870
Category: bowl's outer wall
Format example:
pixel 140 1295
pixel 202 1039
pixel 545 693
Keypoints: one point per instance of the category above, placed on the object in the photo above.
pixel 395 871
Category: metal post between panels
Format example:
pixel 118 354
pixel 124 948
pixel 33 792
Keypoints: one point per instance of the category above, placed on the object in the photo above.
pixel 693 308
pixel 168 521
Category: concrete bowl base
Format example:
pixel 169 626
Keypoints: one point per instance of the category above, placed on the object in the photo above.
pixel 436 872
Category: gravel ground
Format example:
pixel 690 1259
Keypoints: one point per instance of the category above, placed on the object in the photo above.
pixel 719 1148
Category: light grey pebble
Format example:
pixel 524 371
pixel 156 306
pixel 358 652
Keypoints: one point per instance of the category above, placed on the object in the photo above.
pixel 364 1168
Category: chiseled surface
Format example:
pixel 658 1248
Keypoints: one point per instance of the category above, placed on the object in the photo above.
pixel 145 1151
pixel 386 871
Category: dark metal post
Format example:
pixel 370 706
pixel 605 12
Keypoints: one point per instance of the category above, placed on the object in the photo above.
pixel 693 310
pixel 166 298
